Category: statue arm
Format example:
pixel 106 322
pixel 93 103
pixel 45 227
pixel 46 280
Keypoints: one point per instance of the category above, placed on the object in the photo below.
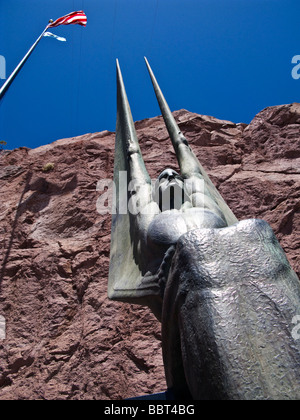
pixel 187 160
pixel 128 153
pixel 139 181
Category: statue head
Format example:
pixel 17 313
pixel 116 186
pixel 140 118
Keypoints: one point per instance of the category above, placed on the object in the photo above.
pixel 169 191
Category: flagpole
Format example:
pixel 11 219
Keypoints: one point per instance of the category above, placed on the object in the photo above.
pixel 21 64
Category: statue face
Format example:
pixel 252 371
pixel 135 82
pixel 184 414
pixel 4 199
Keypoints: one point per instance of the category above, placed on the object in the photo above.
pixel 169 190
pixel 169 176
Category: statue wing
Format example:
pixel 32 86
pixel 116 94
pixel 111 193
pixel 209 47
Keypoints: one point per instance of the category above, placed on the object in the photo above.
pixel 128 269
pixel 190 167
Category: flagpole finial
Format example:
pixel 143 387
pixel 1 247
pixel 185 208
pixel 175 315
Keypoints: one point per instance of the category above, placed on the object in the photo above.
pixel 51 21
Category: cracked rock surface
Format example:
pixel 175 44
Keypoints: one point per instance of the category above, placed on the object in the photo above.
pixel 64 338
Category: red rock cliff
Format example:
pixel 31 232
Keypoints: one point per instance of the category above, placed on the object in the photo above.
pixel 64 339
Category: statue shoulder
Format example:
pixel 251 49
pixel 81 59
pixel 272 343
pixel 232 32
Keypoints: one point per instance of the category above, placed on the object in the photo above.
pixel 167 227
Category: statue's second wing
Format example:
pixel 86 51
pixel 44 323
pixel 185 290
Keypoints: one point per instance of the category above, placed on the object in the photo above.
pixel 188 162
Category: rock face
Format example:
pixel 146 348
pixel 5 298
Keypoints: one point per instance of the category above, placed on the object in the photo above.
pixel 64 339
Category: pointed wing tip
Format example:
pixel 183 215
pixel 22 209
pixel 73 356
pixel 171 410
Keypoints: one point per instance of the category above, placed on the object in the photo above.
pixel 149 67
pixel 119 73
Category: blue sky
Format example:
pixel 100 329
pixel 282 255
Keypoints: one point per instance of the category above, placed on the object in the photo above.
pixel 226 58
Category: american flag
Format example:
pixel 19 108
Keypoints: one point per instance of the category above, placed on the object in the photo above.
pixel 70 19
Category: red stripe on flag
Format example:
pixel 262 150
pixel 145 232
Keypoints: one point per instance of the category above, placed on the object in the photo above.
pixel 71 19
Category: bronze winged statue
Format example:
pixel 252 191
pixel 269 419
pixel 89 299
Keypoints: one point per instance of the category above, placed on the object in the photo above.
pixel 223 289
